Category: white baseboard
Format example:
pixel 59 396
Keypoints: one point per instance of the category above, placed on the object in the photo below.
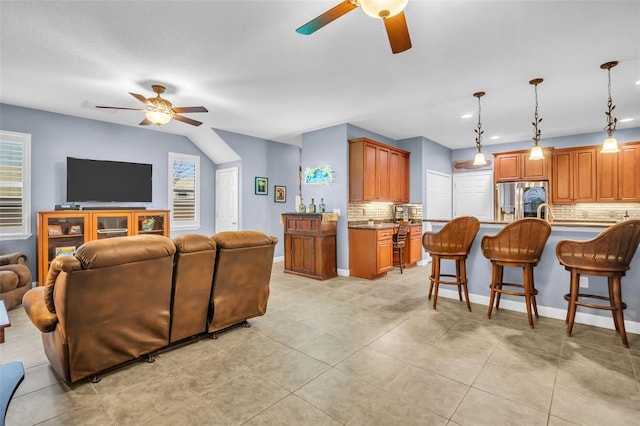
pixel 344 272
pixel 278 259
pixel 545 311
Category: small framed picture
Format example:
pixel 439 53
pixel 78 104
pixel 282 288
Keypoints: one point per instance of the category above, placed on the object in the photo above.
pixel 75 229
pixel 55 230
pixel 262 186
pixel 280 194
pixel 65 251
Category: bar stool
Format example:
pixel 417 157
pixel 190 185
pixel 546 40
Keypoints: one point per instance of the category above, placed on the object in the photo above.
pixel 518 245
pixel 607 255
pixel 452 242
pixel 399 242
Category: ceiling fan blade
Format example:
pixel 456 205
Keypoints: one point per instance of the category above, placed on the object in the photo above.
pixel 110 107
pixel 398 33
pixel 141 98
pixel 187 120
pixel 327 17
pixel 190 109
pixel 145 122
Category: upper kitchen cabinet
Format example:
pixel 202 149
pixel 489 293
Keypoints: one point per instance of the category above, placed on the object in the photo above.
pixel 515 165
pixel 618 175
pixel 377 172
pixel 574 178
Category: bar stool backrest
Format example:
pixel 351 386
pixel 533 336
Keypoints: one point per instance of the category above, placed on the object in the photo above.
pixel 455 238
pixel 522 240
pixel 612 250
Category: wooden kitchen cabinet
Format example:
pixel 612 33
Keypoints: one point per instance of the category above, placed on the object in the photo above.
pixel 370 252
pixel 310 244
pixel 61 232
pixel 618 175
pixel 377 172
pixel 515 165
pixel 573 175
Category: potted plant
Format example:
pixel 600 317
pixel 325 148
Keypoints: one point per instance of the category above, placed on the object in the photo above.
pixel 147 223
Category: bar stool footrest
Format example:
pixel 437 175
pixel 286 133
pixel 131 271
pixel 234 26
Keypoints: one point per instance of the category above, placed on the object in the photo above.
pixel 567 297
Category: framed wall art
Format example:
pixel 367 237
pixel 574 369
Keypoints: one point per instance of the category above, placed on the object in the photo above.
pixel 262 186
pixel 280 194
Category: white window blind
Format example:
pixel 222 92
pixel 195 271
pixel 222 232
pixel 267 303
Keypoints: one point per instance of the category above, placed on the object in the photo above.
pixel 184 191
pixel 15 188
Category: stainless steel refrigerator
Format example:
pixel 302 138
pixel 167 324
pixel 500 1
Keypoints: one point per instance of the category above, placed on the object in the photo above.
pixel 515 200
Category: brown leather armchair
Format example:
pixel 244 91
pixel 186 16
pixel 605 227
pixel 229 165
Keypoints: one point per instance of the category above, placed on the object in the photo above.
pixel 108 304
pixel 15 278
pixel 192 280
pixel 241 277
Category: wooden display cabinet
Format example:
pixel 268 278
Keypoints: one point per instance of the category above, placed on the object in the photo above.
pixel 61 232
pixel 310 244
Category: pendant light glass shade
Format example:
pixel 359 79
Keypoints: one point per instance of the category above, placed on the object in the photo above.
pixel 610 144
pixel 480 159
pixel 536 151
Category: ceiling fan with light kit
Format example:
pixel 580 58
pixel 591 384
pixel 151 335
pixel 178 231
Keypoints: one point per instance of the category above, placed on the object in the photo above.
pixel 390 11
pixel 159 110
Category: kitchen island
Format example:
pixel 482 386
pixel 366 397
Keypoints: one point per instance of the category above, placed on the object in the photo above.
pixel 551 279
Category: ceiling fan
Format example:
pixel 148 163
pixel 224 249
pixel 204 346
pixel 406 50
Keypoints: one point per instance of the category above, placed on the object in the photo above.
pixel 390 11
pixel 160 111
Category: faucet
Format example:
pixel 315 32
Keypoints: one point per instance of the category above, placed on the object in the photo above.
pixel 550 214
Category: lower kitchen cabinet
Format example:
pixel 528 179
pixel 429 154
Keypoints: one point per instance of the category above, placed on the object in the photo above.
pixel 370 252
pixel 310 244
pixel 412 252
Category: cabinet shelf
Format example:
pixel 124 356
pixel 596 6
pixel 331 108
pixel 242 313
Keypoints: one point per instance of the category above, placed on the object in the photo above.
pixel 70 229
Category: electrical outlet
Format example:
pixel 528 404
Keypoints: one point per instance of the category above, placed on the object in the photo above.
pixel 584 282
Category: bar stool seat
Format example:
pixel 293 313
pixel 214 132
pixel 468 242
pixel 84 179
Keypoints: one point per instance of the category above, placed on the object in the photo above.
pixel 607 255
pixel 518 245
pixel 452 242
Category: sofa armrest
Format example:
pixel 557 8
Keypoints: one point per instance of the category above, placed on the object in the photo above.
pixel 14 259
pixel 34 305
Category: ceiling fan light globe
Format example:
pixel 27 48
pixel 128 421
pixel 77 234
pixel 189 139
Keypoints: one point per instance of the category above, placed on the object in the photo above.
pixel 158 117
pixel 382 9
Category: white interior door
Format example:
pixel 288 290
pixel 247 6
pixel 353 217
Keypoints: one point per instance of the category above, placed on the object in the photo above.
pixel 227 199
pixel 438 195
pixel 473 195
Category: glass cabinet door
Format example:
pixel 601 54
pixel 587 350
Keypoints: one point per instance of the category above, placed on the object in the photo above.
pixel 64 234
pixel 112 224
pixel 150 223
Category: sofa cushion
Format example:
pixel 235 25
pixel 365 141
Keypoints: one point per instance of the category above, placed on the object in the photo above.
pixel 8 281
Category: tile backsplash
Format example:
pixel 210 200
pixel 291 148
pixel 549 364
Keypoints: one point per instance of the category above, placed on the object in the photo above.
pixel 379 211
pixel 596 211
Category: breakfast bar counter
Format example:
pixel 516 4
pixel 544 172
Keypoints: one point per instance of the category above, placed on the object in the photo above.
pixel 551 279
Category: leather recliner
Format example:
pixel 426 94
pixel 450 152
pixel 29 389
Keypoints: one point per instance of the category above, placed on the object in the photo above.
pixel 107 304
pixel 15 278
pixel 241 277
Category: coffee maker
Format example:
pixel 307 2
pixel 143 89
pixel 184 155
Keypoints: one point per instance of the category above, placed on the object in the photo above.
pixel 400 212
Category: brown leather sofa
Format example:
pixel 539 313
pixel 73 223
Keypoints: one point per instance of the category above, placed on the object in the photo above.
pixel 121 298
pixel 15 278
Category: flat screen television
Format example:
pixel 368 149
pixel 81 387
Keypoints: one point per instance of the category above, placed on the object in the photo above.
pixel 101 180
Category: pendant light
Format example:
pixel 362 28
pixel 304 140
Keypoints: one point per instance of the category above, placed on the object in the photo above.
pixel 610 144
pixel 536 151
pixel 480 160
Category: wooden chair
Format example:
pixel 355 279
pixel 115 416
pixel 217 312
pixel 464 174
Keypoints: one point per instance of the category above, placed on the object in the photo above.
pixel 399 241
pixel 452 242
pixel 607 255
pixel 519 245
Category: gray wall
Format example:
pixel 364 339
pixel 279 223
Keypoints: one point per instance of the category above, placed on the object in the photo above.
pixel 264 158
pixel 56 136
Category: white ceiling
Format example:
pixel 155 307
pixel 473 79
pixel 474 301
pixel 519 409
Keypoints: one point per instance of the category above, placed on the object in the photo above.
pixel 244 61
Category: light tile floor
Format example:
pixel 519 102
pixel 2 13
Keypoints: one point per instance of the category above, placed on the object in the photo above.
pixel 351 352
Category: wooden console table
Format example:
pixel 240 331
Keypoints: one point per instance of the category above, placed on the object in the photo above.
pixel 310 244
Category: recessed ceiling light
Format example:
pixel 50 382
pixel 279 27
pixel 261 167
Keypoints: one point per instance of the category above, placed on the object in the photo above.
pixel 495 137
pixel 467 115
pixel 626 120
pixel 638 82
